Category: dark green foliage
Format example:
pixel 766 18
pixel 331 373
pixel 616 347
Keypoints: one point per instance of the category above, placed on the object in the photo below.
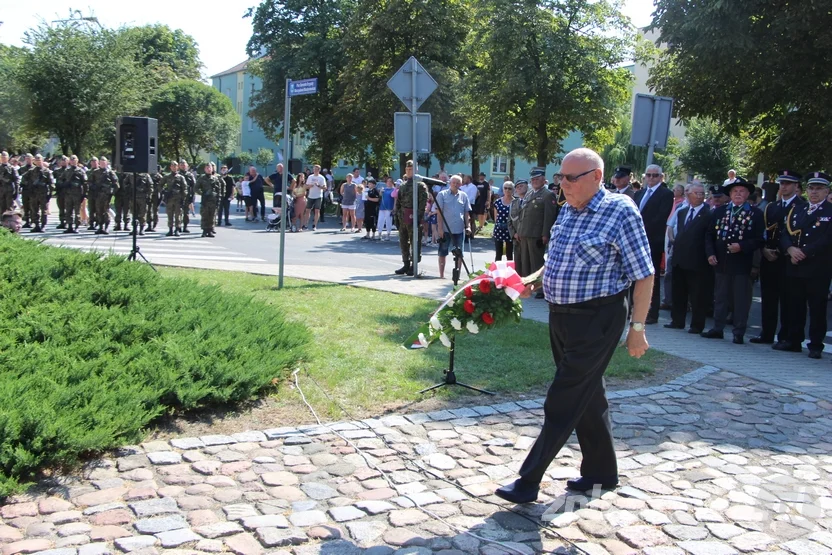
pixel 93 349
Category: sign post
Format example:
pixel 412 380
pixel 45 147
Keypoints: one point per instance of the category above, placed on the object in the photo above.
pixel 413 90
pixel 293 88
pixel 651 122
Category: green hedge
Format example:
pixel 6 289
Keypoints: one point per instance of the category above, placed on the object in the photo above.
pixel 93 348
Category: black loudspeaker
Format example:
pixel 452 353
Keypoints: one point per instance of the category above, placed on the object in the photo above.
pixel 295 166
pixel 137 142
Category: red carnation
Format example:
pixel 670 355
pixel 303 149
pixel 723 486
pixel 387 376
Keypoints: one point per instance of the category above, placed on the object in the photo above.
pixel 485 286
pixel 469 293
pixel 487 318
pixel 469 307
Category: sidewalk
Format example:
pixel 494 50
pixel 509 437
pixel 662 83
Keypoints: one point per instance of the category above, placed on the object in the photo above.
pixel 789 370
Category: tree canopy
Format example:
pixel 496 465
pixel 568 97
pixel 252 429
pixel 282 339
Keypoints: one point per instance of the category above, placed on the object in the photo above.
pixel 709 151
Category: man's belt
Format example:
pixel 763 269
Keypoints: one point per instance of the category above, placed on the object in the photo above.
pixel 586 307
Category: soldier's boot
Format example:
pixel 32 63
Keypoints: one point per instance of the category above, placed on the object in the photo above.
pixel 211 233
pixel 141 229
pixel 91 228
pixel 176 233
pixel 118 227
pixel 126 224
pixel 185 230
pixel 36 229
pixel 403 270
pixel 68 228
pixel 27 225
pixel 61 225
pixel 169 233
pixel 74 229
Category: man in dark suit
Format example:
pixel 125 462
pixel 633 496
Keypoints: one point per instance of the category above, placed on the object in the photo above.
pixel 733 238
pixel 773 283
pixel 807 242
pixel 655 202
pixel 692 276
pixel 621 181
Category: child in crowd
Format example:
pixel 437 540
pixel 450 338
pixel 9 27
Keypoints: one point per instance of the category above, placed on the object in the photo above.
pixel 247 196
pixel 371 209
pixel 359 207
pixel 385 212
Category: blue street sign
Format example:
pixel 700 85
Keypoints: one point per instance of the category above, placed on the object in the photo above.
pixel 303 86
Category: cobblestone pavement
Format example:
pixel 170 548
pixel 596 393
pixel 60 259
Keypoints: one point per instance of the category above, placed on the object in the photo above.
pixel 712 463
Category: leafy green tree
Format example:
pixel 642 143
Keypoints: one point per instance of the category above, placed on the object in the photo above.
pixel 546 68
pixel 620 152
pixel 757 68
pixel 192 117
pixel 302 40
pixel 709 151
pixel 164 53
pixel 245 158
pixel 78 79
pixel 16 132
pixel 264 157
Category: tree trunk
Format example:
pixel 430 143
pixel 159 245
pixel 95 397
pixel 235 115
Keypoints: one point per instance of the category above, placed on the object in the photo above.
pixel 511 165
pixel 475 155
pixel 542 140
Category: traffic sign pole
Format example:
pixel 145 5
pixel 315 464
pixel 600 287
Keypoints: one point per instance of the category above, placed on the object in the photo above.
pixel 653 129
pixel 417 221
pixel 284 212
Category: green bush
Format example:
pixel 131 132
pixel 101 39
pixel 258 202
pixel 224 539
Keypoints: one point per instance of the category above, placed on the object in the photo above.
pixel 93 348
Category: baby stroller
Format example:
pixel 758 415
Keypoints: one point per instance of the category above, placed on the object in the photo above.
pixel 273 219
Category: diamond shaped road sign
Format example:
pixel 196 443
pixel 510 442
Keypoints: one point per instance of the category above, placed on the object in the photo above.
pixel 401 83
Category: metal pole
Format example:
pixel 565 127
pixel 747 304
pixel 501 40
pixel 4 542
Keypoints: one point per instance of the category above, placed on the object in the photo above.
pixel 417 218
pixel 652 146
pixel 284 213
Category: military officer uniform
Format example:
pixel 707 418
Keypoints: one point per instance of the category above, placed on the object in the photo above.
pixel 176 189
pixel 93 178
pixel 39 182
pixel 75 181
pixel 808 231
pixel 154 201
pixel 122 199
pixel 538 212
pixel 9 184
pixel 143 190
pixel 210 188
pixel 189 198
pixel 732 224
pixel 25 194
pixel 60 192
pixel 773 281
pixel 106 185
pixel 407 214
pixel 514 222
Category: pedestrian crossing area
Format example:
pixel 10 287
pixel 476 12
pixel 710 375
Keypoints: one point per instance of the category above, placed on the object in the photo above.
pixel 155 246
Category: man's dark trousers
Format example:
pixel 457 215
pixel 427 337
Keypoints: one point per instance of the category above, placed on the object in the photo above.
pixel 773 293
pixel 690 285
pixel 224 208
pixel 732 293
pixel 583 338
pixel 656 252
pixel 811 293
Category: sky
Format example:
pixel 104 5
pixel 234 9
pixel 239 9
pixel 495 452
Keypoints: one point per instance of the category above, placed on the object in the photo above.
pixel 221 32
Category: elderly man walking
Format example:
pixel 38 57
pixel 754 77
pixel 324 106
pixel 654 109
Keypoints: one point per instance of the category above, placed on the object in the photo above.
pixel 598 248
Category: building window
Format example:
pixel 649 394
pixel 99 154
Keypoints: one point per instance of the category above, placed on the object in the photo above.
pixel 228 92
pixel 499 165
pixel 250 124
pixel 252 88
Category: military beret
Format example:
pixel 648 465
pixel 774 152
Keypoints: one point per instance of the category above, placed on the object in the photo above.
pixel 537 172
pixel 788 175
pixel 623 171
pixel 819 178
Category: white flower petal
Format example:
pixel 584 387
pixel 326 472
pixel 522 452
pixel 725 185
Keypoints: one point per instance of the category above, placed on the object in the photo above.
pixel 423 340
pixel 472 327
pixel 456 324
pixel 446 341
pixel 435 323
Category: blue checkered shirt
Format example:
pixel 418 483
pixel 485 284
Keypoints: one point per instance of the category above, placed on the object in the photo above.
pixel 596 252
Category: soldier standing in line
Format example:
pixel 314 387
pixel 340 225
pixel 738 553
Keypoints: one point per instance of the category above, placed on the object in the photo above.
pixel 189 195
pixel 25 193
pixel 538 212
pixel 39 182
pixel 176 189
pixel 773 281
pixel 106 184
pixel 808 246
pixel 122 198
pixel 154 200
pixel 143 191
pixel 60 191
pixel 93 178
pixel 9 183
pixel 210 188
pixel 75 181
pixel 408 214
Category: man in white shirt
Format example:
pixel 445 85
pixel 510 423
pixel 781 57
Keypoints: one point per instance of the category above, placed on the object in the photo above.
pixel 356 176
pixel 315 185
pixel 732 177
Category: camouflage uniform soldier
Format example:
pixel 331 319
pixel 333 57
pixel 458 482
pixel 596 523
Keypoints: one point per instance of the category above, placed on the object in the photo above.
pixel 189 197
pixel 143 191
pixel 93 177
pixel 407 215
pixel 121 203
pixel 9 183
pixel 210 188
pixel 75 181
pixel 25 192
pixel 106 184
pixel 176 189
pixel 154 200
pixel 60 191
pixel 39 182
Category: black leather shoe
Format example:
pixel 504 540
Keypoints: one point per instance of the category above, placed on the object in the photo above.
pixel 738 340
pixel 519 492
pixel 787 346
pixel 665 306
pixel 227 222
pixel 651 321
pixel 712 334
pixel 674 326
pixel 61 226
pixel 586 484
pixel 815 354
pixel 539 295
pixel 403 270
pixel 761 340
pixel 695 331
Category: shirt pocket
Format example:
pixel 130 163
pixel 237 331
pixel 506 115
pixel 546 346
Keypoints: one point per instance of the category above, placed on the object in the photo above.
pixel 591 250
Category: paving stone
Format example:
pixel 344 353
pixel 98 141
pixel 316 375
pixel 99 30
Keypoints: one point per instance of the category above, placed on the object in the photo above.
pixel 244 544
pixel 59 551
pixel 307 518
pixel 344 514
pixel 640 537
pixel 318 491
pixel 218 529
pixel 681 532
pixel 278 537
pixel 805 547
pixel 165 457
pixel 108 533
pixel 265 521
pixel 154 507
pixel 724 531
pixel 375 507
pixel 109 495
pixel 406 517
pixel 707 548
pixel 325 533
pixel 752 541
pixel 135 543
pixel 654 517
pixel 366 532
pixel 239 511
pixel 94 549
pixel 218 440
pixel 161 524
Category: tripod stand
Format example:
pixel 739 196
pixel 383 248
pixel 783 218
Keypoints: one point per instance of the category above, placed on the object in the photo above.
pixel 135 251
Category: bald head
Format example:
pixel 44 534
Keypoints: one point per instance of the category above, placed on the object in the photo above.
pixel 582 171
pixel 587 157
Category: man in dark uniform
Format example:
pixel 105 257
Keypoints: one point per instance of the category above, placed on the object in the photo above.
pixel 25 193
pixel 60 191
pixel 734 236
pixel 106 183
pixel 75 181
pixel 142 188
pixel 39 182
pixel 210 188
pixel 482 203
pixel 189 195
pixel 92 192
pixel 408 214
pixel 9 183
pixel 154 200
pixel 773 283
pixel 807 242
pixel 621 181
pixel 537 216
pixel 228 193
pixel 176 190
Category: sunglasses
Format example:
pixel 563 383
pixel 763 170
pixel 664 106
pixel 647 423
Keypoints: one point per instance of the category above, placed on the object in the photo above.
pixel 572 178
pixel 508 188
pixel 652 175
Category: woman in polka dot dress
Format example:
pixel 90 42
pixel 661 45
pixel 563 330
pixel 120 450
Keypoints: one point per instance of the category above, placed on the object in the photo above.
pixel 502 237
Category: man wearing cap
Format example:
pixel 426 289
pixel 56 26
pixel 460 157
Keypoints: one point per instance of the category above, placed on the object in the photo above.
pixel 9 183
pixel 106 184
pixel 655 202
pixel 537 216
pixel 773 282
pixel 210 189
pixel 807 242
pixel 39 182
pixel 717 197
pixel 75 181
pixel 734 236
pixel 176 191
pixel 521 187
pixel 409 216
pixel 621 181
pixel 25 193
pixel 60 191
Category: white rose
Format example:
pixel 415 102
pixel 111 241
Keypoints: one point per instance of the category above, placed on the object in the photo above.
pixel 472 327
pixel 423 340
pixel 450 303
pixel 446 341
pixel 435 323
pixel 456 324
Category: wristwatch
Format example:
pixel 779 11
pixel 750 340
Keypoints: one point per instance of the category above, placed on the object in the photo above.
pixel 637 326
